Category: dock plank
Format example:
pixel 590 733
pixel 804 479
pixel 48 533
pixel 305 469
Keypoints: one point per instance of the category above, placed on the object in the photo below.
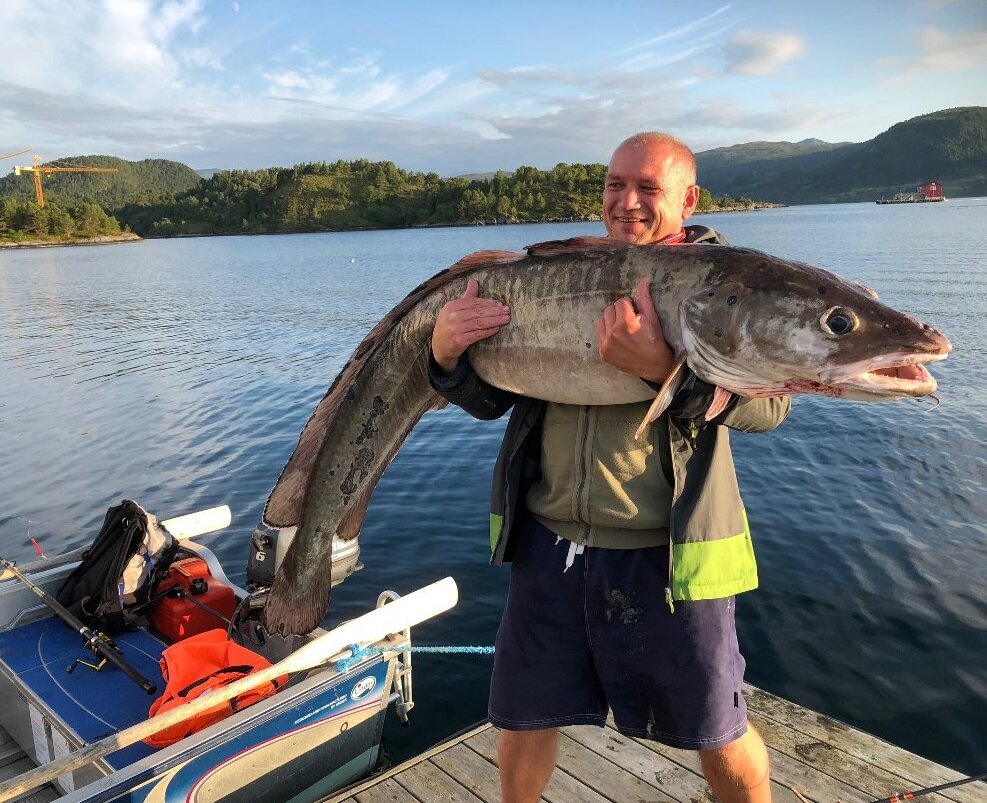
pixel 472 770
pixel 892 764
pixel 386 791
pixel 429 783
pixel 10 751
pixel 634 757
pixel 562 788
pixel 603 776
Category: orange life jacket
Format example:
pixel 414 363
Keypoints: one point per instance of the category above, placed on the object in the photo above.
pixel 197 665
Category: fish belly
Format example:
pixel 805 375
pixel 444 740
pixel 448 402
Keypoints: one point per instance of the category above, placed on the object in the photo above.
pixel 550 351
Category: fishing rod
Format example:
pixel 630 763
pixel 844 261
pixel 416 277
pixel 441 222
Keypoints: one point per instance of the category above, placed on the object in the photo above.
pixel 96 643
pixel 901 796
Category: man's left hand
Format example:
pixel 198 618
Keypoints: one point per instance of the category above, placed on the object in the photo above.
pixel 632 340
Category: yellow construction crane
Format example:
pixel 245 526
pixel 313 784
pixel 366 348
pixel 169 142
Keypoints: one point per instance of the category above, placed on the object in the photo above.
pixel 14 153
pixel 48 169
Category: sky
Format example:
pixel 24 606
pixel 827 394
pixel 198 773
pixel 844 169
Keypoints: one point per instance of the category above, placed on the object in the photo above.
pixel 469 87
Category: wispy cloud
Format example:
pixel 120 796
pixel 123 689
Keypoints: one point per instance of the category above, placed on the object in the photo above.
pixel 358 85
pixel 523 76
pixel 678 33
pixel 952 51
pixel 757 53
pixel 938 51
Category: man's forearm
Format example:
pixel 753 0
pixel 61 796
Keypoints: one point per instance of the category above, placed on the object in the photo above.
pixel 464 388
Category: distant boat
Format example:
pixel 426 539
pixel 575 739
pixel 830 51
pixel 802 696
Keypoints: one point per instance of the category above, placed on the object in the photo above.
pixel 931 191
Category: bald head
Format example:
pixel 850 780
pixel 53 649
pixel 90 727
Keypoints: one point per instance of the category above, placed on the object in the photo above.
pixel 682 168
pixel 650 188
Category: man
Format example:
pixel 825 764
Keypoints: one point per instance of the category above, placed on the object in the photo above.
pixel 592 520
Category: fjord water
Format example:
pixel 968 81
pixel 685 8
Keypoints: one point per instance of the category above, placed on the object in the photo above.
pixel 180 372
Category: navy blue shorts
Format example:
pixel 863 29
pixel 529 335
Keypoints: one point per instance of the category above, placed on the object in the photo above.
pixel 573 644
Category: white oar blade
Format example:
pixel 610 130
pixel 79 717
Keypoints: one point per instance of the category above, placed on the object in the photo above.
pixel 391 618
pixel 204 521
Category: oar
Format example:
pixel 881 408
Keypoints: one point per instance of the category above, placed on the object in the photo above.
pixel 373 626
pixel 199 523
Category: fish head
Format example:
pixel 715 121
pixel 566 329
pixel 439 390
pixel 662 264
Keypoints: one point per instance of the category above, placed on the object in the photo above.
pixel 785 328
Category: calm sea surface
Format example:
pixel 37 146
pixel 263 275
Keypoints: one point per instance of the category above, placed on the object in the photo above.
pixel 180 372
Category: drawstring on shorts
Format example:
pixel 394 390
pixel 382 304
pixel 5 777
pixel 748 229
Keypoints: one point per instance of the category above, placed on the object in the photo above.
pixel 574 549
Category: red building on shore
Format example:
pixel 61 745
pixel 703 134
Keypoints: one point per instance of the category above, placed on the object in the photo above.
pixel 930 191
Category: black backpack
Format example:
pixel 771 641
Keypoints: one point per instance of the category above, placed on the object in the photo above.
pixel 117 574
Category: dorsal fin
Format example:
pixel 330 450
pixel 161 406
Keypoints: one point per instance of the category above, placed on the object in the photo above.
pixel 582 244
pixel 478 258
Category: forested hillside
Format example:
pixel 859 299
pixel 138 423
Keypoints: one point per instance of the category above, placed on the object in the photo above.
pixel 147 181
pixel 949 146
pixel 363 194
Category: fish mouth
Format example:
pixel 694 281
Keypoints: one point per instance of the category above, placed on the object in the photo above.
pixel 891 376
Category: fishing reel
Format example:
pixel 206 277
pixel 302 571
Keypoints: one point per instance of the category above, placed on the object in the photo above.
pixel 91 645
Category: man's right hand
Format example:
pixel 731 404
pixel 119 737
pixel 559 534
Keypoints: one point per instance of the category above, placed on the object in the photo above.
pixel 462 322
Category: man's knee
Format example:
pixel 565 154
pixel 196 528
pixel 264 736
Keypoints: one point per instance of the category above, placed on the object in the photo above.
pixel 528 743
pixel 743 762
pixel 527 760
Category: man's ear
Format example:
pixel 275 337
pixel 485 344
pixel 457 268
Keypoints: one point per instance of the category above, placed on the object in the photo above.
pixel 691 200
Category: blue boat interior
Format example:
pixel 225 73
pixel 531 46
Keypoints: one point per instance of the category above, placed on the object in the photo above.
pixel 91 704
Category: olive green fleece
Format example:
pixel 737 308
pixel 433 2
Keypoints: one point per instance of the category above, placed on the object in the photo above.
pixel 599 485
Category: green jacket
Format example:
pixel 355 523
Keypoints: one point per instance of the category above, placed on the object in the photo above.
pixel 710 543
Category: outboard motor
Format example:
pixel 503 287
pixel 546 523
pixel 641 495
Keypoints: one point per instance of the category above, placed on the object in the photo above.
pixel 269 545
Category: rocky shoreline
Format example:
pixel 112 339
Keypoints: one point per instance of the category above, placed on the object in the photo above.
pixel 103 239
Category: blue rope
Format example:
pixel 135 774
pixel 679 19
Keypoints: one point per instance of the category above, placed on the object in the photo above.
pixel 360 653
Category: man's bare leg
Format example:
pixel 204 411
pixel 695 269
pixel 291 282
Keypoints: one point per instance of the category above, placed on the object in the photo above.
pixel 527 761
pixel 739 773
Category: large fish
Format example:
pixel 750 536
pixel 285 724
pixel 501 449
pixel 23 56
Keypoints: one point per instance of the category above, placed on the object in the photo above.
pixel 749 323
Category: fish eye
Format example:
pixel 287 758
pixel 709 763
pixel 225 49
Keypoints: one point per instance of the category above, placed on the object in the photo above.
pixel 839 321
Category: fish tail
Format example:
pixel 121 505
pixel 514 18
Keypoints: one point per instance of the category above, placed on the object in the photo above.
pixel 291 610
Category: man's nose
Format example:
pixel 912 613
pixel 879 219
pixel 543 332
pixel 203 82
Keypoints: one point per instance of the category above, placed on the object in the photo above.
pixel 630 199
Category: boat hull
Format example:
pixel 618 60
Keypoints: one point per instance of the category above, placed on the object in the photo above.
pixel 317 735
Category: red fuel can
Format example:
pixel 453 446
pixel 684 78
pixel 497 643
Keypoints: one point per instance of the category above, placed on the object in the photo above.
pixel 176 616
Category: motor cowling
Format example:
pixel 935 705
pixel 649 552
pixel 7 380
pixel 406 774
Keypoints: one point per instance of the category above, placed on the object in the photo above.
pixel 269 545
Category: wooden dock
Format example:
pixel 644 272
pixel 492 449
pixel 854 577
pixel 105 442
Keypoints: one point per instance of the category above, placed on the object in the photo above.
pixel 812 756
pixel 14 761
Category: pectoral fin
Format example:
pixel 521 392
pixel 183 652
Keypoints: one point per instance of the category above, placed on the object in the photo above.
pixel 664 398
pixel 721 398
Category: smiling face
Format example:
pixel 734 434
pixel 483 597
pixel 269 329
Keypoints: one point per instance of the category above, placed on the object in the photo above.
pixel 650 190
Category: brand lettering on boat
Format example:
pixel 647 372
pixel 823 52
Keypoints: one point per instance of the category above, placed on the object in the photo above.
pixel 363 687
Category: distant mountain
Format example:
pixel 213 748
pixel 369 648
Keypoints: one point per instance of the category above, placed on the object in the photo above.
pixel 209 172
pixel 949 146
pixel 145 182
pixel 751 152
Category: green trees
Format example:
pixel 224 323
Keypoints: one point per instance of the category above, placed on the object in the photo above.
pixel 361 194
pixel 25 220
pixel 324 196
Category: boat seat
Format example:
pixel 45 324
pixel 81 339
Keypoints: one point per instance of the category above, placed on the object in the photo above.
pixel 83 704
